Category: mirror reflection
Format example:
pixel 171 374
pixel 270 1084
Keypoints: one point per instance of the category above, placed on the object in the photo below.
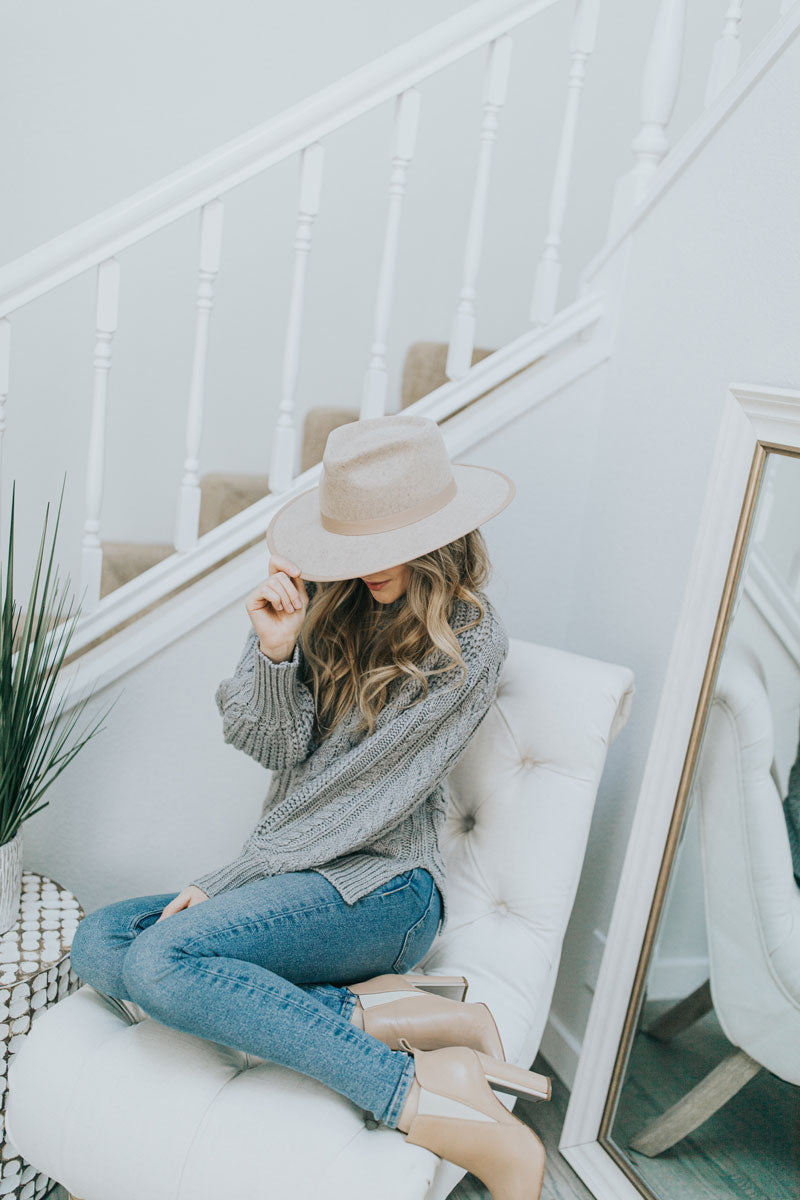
pixel 709 1104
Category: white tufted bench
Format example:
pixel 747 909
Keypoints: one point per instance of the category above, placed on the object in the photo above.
pixel 116 1106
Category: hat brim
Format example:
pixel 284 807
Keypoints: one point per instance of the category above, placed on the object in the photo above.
pixel 297 533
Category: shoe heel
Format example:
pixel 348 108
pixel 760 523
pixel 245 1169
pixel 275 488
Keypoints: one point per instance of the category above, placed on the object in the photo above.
pixel 507 1077
pixel 452 987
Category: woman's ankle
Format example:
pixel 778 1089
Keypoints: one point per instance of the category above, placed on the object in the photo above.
pixel 409 1109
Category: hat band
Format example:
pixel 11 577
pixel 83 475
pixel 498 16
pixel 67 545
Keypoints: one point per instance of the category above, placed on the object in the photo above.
pixel 395 520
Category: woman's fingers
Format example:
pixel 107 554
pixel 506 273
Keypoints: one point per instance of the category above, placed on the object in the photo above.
pixel 185 899
pixel 261 597
pixel 278 563
pixel 174 906
pixel 272 594
pixel 288 589
pixel 283 593
pixel 288 573
pixel 277 593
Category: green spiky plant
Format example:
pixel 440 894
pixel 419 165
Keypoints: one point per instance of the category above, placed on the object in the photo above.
pixel 33 753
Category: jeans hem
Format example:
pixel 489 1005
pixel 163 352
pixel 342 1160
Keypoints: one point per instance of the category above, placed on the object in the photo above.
pixel 401 1091
pixel 349 1004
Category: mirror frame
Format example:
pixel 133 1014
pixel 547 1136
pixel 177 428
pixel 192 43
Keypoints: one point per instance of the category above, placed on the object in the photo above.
pixel 755 420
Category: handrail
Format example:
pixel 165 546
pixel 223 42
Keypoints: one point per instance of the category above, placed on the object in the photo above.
pixel 193 185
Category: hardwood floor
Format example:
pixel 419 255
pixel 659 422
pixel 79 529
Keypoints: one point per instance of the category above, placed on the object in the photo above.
pixel 750 1147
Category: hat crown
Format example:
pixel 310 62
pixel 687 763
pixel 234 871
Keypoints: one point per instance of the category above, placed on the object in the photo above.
pixel 380 470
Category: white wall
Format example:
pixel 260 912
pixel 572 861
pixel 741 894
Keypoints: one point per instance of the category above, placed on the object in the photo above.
pixel 103 98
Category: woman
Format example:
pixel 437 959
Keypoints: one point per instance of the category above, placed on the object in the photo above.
pixel 367 670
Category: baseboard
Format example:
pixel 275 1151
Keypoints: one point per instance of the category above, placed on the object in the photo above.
pixel 561 1049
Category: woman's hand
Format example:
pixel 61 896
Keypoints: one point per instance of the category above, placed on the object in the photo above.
pixel 185 899
pixel 277 608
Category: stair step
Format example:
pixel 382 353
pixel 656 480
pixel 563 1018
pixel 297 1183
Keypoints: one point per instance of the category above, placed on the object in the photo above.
pixel 123 561
pixel 224 494
pixel 318 424
pixel 20 625
pixel 424 369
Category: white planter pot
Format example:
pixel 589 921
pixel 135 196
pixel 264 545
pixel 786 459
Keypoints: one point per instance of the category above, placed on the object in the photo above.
pixel 10 880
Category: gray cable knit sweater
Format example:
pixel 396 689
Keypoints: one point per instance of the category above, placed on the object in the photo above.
pixel 357 808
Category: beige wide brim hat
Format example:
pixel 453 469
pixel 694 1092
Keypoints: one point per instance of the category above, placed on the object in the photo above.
pixel 388 493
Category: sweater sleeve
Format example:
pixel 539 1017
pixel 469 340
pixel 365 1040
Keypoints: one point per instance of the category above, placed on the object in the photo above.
pixel 267 710
pixel 380 781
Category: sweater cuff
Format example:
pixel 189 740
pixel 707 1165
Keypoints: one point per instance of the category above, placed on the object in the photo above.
pixel 243 869
pixel 274 684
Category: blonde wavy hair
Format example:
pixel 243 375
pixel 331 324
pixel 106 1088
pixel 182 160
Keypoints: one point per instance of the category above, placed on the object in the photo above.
pixel 356 650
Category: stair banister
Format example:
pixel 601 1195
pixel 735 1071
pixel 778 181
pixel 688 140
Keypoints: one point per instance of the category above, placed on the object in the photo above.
pixel 284 438
pixel 199 187
pixel 548 272
pixel 727 52
pixel 662 74
pixel 188 519
pixel 462 338
pixel 376 379
pixel 187 189
pixel 107 314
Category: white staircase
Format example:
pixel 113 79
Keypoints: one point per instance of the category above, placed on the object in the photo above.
pixel 144 594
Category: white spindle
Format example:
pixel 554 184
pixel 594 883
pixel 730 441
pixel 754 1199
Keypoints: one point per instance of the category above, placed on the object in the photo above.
pixel 188 518
pixel 727 52
pixel 462 340
pixel 406 119
pixel 548 272
pixel 282 460
pixel 106 325
pixel 660 81
pixel 5 362
pixel 662 73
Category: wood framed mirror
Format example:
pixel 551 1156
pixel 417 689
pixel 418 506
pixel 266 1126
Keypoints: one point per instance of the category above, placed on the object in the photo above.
pixel 688 1083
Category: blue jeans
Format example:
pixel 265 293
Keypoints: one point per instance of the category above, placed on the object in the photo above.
pixel 263 968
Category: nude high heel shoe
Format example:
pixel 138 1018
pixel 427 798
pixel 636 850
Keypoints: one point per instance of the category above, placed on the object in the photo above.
pixel 412 1006
pixel 453 1111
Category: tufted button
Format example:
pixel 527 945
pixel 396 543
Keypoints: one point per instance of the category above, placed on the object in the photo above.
pixel 468 823
pixel 527 763
pixel 502 907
